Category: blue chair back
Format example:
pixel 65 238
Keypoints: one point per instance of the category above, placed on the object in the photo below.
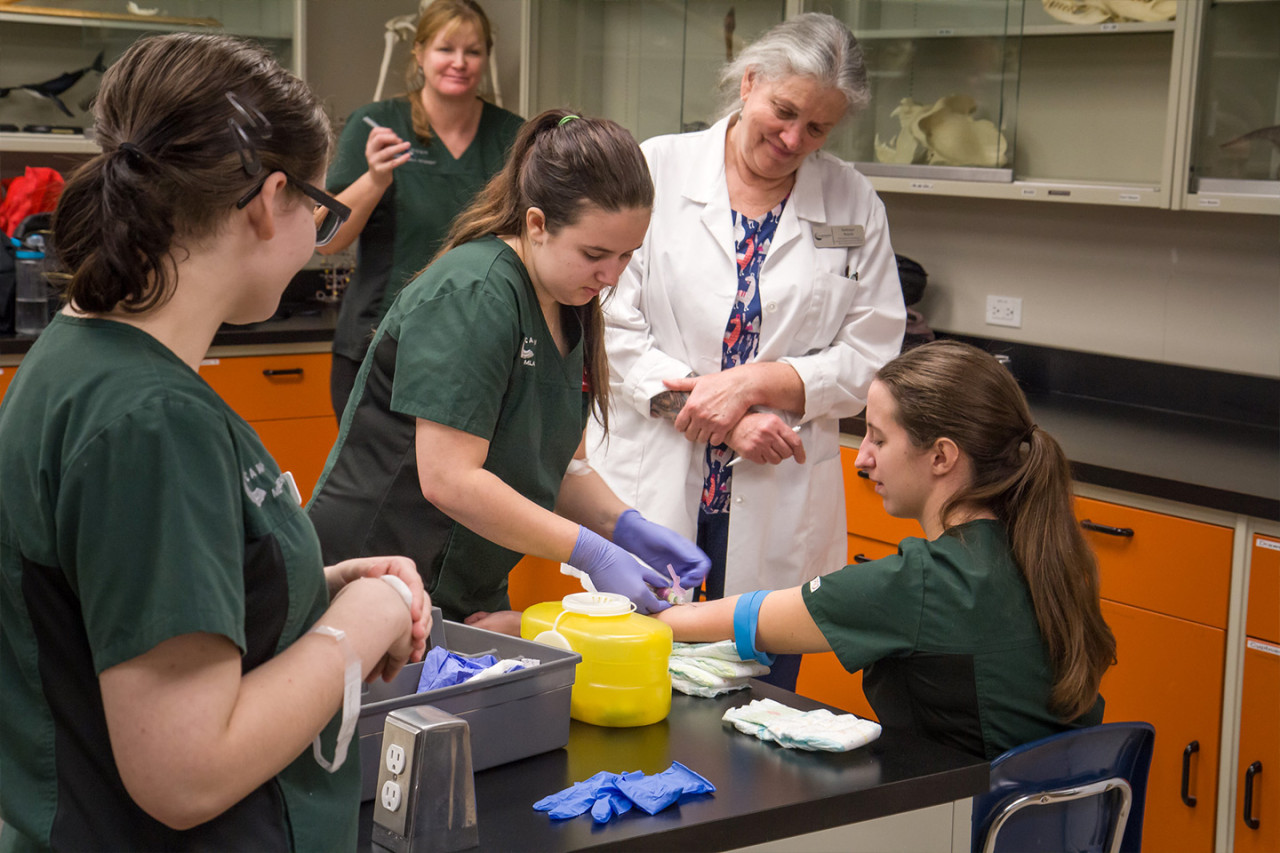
pixel 1067 792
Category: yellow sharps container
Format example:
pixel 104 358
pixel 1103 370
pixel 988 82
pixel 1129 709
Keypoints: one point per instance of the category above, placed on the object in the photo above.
pixel 623 678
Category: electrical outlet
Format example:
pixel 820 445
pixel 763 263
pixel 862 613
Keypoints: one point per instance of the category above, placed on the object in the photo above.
pixel 1004 311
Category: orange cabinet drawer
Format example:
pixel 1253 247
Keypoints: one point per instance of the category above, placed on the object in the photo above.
pixel 300 446
pixel 1169 673
pixel 864 509
pixel 862 549
pixel 535 579
pixel 6 376
pixel 824 679
pixel 1159 562
pixel 1257 817
pixel 268 387
pixel 1263 620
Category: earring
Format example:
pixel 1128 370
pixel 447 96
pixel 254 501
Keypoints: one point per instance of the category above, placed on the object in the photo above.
pixel 419 78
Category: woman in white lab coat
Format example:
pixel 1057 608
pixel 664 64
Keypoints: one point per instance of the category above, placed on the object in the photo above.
pixel 754 317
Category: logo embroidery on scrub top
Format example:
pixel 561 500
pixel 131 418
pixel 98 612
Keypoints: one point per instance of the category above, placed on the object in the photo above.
pixel 526 351
pixel 279 485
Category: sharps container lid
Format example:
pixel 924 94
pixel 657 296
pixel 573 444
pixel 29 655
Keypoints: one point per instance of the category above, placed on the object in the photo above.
pixel 598 603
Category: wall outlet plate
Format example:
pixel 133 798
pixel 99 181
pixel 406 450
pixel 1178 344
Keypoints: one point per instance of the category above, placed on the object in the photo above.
pixel 1004 311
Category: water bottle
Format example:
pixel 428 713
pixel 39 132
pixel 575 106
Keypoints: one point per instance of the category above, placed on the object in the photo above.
pixel 31 305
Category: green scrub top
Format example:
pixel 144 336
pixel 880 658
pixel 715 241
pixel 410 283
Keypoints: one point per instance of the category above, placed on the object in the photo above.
pixel 411 220
pixel 948 638
pixel 136 506
pixel 464 345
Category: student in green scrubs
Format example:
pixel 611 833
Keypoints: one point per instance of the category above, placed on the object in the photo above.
pixel 174 654
pixel 407 166
pixel 462 444
pixel 988 632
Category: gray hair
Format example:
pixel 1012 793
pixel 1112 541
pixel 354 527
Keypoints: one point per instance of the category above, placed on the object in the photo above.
pixel 810 45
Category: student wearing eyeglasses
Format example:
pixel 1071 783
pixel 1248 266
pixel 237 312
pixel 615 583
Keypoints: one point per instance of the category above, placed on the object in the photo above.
pixel 176 662
pixel 407 165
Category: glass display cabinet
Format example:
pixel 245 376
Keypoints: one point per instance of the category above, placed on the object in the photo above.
pixel 55 51
pixel 1235 131
pixel 651 65
pixel 1057 100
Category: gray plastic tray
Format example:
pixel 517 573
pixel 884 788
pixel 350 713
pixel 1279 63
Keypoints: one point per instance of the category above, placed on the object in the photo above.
pixel 532 702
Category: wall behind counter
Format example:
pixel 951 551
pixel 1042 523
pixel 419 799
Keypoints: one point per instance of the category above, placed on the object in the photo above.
pixel 1178 287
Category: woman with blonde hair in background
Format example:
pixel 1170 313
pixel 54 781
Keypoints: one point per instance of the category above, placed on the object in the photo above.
pixel 407 166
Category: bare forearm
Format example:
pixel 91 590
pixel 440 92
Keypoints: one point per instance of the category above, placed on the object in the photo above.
pixel 588 500
pixel 362 197
pixel 483 503
pixel 192 736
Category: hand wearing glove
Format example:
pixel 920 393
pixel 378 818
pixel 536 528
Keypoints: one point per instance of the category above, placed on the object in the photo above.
pixel 612 569
pixel 661 547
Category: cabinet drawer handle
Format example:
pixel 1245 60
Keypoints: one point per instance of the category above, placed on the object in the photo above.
pixel 863 474
pixel 1255 769
pixel 286 371
pixel 1192 748
pixel 861 558
pixel 1110 531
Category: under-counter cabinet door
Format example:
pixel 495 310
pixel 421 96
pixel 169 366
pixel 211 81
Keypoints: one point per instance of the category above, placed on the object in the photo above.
pixel 1160 562
pixel 1263 620
pixel 862 549
pixel 824 679
pixel 1169 673
pixel 864 509
pixel 271 387
pixel 6 376
pixel 1257 818
pixel 300 446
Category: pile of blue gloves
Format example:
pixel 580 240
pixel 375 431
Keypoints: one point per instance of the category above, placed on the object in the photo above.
pixel 607 794
pixel 443 668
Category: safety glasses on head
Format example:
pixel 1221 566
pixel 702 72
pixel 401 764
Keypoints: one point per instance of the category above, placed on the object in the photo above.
pixel 250 120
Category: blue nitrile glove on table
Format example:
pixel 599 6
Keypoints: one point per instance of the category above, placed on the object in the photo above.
pixel 607 794
pixel 661 547
pixel 612 569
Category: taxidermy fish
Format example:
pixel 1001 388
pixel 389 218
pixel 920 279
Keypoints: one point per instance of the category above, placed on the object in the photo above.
pixel 51 89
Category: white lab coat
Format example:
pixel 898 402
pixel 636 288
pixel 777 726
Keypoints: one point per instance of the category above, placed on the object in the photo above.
pixel 666 319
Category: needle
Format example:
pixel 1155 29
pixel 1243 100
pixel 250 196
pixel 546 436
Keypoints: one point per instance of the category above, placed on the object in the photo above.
pixel 738 459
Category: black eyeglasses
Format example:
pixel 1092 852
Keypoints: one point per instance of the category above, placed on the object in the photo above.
pixel 335 212
pixel 251 120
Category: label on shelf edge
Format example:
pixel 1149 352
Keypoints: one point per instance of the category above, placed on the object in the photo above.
pixel 1028 191
pixel 1109 27
pixel 921 185
pixel 1260 646
pixel 1210 201
pixel 209 362
pixel 946 31
pixel 1258 541
pixel 1130 197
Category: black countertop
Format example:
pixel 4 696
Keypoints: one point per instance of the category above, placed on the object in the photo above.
pixel 763 791
pixel 300 323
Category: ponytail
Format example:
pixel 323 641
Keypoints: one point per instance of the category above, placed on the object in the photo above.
pixel 181 119
pixel 114 230
pixel 946 388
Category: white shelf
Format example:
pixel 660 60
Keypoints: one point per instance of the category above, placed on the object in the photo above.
pixel 48 143
pixel 1062 192
pixel 1114 28
pixel 131 23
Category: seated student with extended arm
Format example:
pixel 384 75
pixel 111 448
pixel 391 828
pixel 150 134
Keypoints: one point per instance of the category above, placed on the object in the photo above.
pixel 983 635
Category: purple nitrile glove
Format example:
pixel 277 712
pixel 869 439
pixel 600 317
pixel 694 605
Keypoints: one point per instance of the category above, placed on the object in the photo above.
pixel 661 547
pixel 612 569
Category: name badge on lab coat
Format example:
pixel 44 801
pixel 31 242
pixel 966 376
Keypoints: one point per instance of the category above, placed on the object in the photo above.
pixel 838 236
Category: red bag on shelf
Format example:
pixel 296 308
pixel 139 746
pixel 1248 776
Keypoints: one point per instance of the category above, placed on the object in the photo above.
pixel 36 191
